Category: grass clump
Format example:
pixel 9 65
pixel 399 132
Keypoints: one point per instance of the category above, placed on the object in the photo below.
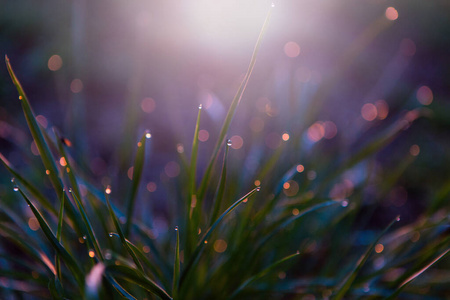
pixel 273 233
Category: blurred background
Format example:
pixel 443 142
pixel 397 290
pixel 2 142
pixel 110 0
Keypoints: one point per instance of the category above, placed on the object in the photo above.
pixel 332 74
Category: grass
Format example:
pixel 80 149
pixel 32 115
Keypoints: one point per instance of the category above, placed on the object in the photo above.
pixel 231 239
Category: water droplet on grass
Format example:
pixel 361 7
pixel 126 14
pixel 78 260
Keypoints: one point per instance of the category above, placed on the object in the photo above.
pixel 84 237
pixel 13 179
pixel 148 135
pixel 111 234
pixel 70 190
pixel 200 106
pixel 229 143
pixel 176 228
pixel 258 188
pixel 344 203
pixel 15 188
pixel 398 218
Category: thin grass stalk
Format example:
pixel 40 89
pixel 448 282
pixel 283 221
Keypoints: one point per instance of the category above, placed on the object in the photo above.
pixel 176 266
pixel 201 245
pixel 58 275
pixel 90 235
pixel 137 173
pixel 122 236
pixel 261 274
pixel 221 188
pixel 237 98
pixel 46 156
pixel 68 259
pixel 347 283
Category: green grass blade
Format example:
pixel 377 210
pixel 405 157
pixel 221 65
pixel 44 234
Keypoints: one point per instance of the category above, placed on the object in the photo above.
pixel 122 236
pixel 68 259
pixel 415 275
pixel 176 265
pixel 193 210
pixel 221 189
pixel 204 240
pixel 119 288
pixel 231 112
pixel 46 156
pixel 58 237
pixel 90 235
pixel 291 219
pixel 27 245
pixel 137 173
pixel 194 153
pixel 347 283
pixel 137 277
pixel 70 174
pixel 157 272
pixel 261 274
pixel 34 191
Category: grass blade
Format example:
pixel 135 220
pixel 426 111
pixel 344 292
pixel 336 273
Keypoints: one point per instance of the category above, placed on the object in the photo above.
pixel 292 219
pixel 346 284
pixel 237 98
pixel 68 259
pixel 204 240
pixel 415 275
pixel 58 275
pixel 90 235
pixel 137 173
pixel 261 274
pixel 138 278
pixel 119 288
pixel 46 156
pixel 122 236
pixel 34 191
pixel 176 265
pixel 221 189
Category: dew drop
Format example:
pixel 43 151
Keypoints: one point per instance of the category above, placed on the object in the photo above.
pixel 20 97
pixel 47 172
pixel 206 242
pixel 258 188
pixel 298 252
pixel 273 4
pixel 176 228
pixel 229 143
pixel 70 190
pixel 344 203
pixel 148 135
pixel 398 218
pixel 15 188
pixel 13 179
pixel 110 235
pixel 200 106
pixel 84 237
